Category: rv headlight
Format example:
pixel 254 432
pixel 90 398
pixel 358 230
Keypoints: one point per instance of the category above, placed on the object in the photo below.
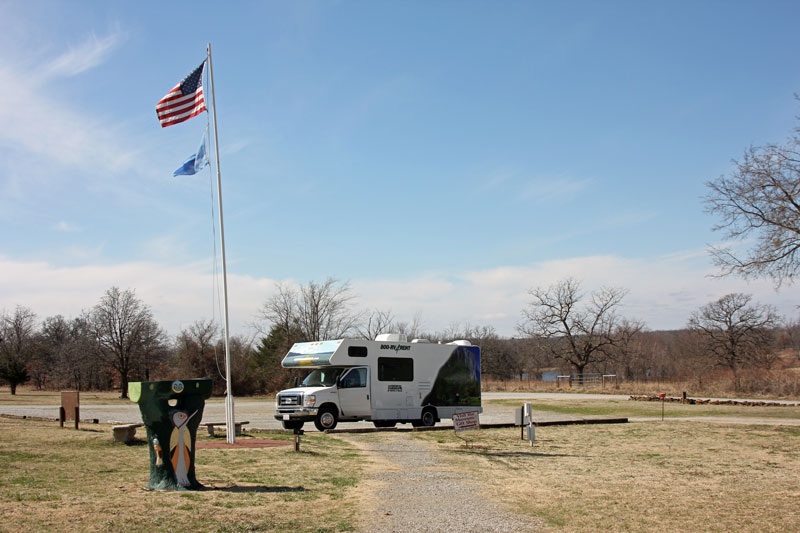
pixel 309 400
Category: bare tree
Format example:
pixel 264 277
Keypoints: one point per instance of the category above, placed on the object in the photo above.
pixel 628 345
pixel 324 311
pixel 760 202
pixel 280 310
pixel 122 325
pixel 320 310
pixel 196 350
pixel 378 321
pixel 17 345
pixel 733 331
pixel 413 329
pixel 578 334
pixel 71 347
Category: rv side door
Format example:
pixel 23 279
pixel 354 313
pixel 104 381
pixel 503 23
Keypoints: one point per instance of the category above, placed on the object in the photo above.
pixel 354 393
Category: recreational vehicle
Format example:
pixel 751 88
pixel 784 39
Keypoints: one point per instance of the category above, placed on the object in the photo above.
pixel 386 381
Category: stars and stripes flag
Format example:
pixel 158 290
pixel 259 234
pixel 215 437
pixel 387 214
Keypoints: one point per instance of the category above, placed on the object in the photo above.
pixel 184 101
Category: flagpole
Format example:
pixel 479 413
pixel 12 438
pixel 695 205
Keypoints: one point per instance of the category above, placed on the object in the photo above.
pixel 229 418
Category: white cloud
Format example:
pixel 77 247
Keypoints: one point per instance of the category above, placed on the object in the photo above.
pixel 664 290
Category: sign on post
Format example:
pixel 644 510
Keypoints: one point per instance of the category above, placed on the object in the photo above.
pixel 70 407
pixel 465 422
pixel 527 418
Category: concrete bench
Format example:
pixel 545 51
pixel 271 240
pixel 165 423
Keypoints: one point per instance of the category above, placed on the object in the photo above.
pixel 125 432
pixel 211 425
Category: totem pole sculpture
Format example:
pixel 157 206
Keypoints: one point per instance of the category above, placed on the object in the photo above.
pixel 171 412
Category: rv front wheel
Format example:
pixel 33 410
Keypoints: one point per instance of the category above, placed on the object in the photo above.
pixel 326 419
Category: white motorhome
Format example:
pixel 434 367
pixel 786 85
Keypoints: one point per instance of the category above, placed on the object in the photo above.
pixel 388 380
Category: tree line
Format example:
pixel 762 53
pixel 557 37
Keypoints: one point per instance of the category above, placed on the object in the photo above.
pixel 563 328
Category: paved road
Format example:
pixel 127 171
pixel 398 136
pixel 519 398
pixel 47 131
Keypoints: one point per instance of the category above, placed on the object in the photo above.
pixel 260 412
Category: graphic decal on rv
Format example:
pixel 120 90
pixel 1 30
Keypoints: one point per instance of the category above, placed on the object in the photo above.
pixel 396 347
pixel 459 380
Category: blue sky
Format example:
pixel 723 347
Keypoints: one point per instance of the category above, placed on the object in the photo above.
pixel 444 157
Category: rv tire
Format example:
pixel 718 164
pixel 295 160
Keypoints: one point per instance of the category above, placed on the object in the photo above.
pixel 326 419
pixel 429 417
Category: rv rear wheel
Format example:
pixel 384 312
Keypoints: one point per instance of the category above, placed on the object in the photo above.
pixel 326 419
pixel 428 417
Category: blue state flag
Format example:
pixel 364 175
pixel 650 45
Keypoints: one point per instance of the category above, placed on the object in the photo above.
pixel 196 162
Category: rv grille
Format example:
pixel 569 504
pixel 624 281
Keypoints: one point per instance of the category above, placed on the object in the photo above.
pixel 290 400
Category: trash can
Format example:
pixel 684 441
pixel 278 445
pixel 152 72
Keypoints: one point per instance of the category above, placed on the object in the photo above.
pixel 171 412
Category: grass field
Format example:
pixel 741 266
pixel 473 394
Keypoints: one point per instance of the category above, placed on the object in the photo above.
pixel 650 476
pixel 65 480
pixel 577 405
pixel 642 476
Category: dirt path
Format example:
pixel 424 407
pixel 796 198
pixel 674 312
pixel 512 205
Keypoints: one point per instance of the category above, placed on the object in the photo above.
pixel 409 487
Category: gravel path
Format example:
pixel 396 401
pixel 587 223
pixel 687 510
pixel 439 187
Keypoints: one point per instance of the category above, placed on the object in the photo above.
pixel 409 487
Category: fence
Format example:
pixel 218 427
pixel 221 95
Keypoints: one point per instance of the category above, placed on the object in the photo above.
pixel 587 380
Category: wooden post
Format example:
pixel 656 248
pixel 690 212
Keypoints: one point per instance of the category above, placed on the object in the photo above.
pixel 61 416
pixel 77 415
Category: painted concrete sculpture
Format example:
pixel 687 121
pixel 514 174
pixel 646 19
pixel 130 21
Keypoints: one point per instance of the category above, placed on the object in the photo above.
pixel 171 412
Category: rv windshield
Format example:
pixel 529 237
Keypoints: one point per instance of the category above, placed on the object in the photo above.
pixel 322 377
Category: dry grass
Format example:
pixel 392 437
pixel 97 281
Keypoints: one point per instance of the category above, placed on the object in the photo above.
pixel 67 480
pixel 777 384
pixel 580 406
pixel 30 396
pixel 673 476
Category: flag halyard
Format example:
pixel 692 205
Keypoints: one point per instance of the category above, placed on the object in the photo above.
pixel 184 101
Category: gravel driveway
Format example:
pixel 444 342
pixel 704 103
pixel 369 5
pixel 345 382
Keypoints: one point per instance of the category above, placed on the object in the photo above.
pixel 408 486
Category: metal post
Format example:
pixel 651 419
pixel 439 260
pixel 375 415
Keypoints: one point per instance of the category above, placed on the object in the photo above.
pixel 230 426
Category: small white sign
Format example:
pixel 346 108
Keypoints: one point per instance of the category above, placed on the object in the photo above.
pixel 466 421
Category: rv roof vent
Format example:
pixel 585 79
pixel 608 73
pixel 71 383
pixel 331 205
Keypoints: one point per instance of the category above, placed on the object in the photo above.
pixel 391 337
pixel 421 341
pixel 461 343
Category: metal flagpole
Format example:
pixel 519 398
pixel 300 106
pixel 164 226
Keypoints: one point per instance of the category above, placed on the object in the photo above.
pixel 229 418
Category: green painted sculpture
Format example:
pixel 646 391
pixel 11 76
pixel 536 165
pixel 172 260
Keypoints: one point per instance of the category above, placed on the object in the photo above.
pixel 171 429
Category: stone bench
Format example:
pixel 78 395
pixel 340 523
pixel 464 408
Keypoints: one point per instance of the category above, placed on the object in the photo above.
pixel 125 432
pixel 211 425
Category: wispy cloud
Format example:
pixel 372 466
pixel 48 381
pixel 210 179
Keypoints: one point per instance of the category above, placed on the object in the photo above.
pixel 554 188
pixel 65 226
pixel 37 120
pixel 86 55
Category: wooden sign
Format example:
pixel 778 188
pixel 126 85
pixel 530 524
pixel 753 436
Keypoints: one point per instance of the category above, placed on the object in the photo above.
pixel 70 407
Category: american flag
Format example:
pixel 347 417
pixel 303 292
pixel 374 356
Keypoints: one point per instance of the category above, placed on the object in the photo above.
pixel 184 101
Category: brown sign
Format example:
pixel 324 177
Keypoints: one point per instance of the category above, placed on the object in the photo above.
pixel 70 401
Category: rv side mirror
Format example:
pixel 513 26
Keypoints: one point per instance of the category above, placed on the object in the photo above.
pixel 296 381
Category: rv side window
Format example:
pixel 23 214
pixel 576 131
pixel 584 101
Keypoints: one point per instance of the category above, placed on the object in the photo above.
pixel 395 369
pixel 357 351
pixel 357 377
